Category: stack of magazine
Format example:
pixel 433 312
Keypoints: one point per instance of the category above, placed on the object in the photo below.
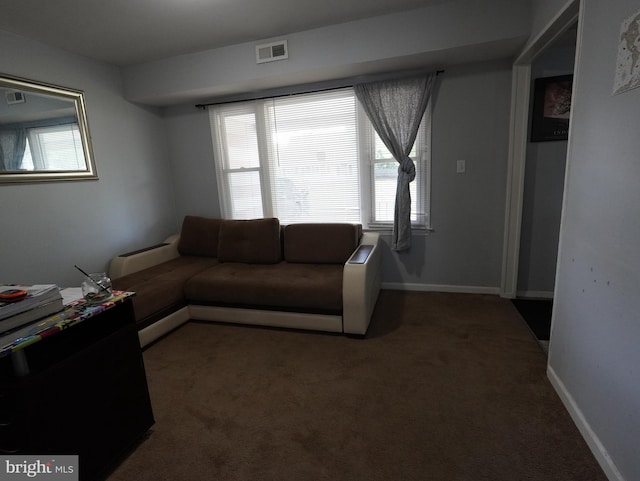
pixel 41 300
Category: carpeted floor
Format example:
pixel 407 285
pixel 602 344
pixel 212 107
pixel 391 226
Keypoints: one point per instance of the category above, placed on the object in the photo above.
pixel 446 387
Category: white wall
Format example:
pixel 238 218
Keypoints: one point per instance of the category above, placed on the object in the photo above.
pixel 52 226
pixel 594 354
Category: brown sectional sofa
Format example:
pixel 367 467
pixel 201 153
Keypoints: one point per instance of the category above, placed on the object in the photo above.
pixel 319 276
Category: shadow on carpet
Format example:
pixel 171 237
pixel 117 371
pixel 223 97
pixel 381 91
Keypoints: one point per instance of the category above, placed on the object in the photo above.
pixel 537 314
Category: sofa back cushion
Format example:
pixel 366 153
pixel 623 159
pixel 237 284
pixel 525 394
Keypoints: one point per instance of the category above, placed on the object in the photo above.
pixel 199 236
pixel 320 243
pixel 255 241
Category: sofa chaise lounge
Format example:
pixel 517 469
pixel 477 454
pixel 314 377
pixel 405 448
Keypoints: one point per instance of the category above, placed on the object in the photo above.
pixel 317 276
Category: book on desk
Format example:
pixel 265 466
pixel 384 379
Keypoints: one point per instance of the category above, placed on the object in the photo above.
pixel 41 300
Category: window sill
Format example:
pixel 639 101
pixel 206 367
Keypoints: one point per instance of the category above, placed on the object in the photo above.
pixel 387 230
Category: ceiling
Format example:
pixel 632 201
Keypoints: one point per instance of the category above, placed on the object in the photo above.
pixel 127 32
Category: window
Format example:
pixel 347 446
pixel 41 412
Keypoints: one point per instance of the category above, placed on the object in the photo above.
pixel 56 147
pixel 384 175
pixel 311 158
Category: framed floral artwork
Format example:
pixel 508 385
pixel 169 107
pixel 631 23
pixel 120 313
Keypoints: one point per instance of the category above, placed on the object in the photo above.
pixel 551 108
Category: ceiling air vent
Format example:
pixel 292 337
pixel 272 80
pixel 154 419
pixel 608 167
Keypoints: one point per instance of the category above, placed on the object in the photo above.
pixel 14 97
pixel 270 52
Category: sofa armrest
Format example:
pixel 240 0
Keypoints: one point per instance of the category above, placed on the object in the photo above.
pixel 361 281
pixel 142 259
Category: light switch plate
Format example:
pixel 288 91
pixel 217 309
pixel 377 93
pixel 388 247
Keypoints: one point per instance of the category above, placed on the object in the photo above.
pixel 461 166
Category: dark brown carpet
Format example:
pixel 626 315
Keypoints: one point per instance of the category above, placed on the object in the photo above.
pixel 446 387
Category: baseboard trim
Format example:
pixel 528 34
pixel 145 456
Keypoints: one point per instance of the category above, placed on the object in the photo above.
pixel 535 294
pixel 405 286
pixel 594 443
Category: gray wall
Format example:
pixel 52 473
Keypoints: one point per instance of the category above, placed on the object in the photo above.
pixel 440 33
pixel 470 122
pixel 52 226
pixel 193 168
pixel 145 155
pixel 544 186
pixel 594 352
pixel 543 12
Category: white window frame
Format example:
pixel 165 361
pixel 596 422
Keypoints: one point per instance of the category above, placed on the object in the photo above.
pixel 367 161
pixel 422 182
pixel 223 172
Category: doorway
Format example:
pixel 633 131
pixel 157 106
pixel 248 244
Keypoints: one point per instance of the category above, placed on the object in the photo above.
pixel 523 71
pixel 543 191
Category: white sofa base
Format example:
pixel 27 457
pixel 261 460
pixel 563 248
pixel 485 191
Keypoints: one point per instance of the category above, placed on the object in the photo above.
pixel 167 324
pixel 234 315
pixel 360 288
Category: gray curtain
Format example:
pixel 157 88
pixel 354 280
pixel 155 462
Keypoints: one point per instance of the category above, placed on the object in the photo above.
pixel 12 146
pixel 395 108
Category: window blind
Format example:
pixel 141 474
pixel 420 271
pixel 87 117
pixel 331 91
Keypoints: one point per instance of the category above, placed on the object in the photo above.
pixel 295 158
pixel 310 158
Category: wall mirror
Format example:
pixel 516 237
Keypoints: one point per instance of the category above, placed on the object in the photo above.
pixel 44 135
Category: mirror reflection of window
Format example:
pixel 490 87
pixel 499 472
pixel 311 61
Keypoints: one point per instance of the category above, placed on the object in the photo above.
pixel 43 133
pixel 57 147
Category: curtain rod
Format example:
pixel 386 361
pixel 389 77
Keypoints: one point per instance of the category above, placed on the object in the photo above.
pixel 275 96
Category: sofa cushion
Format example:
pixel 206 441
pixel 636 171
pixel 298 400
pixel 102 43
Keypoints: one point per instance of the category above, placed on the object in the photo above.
pixel 255 241
pixel 320 243
pixel 307 287
pixel 161 287
pixel 199 236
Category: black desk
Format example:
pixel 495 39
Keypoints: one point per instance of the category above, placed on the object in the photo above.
pixel 77 385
